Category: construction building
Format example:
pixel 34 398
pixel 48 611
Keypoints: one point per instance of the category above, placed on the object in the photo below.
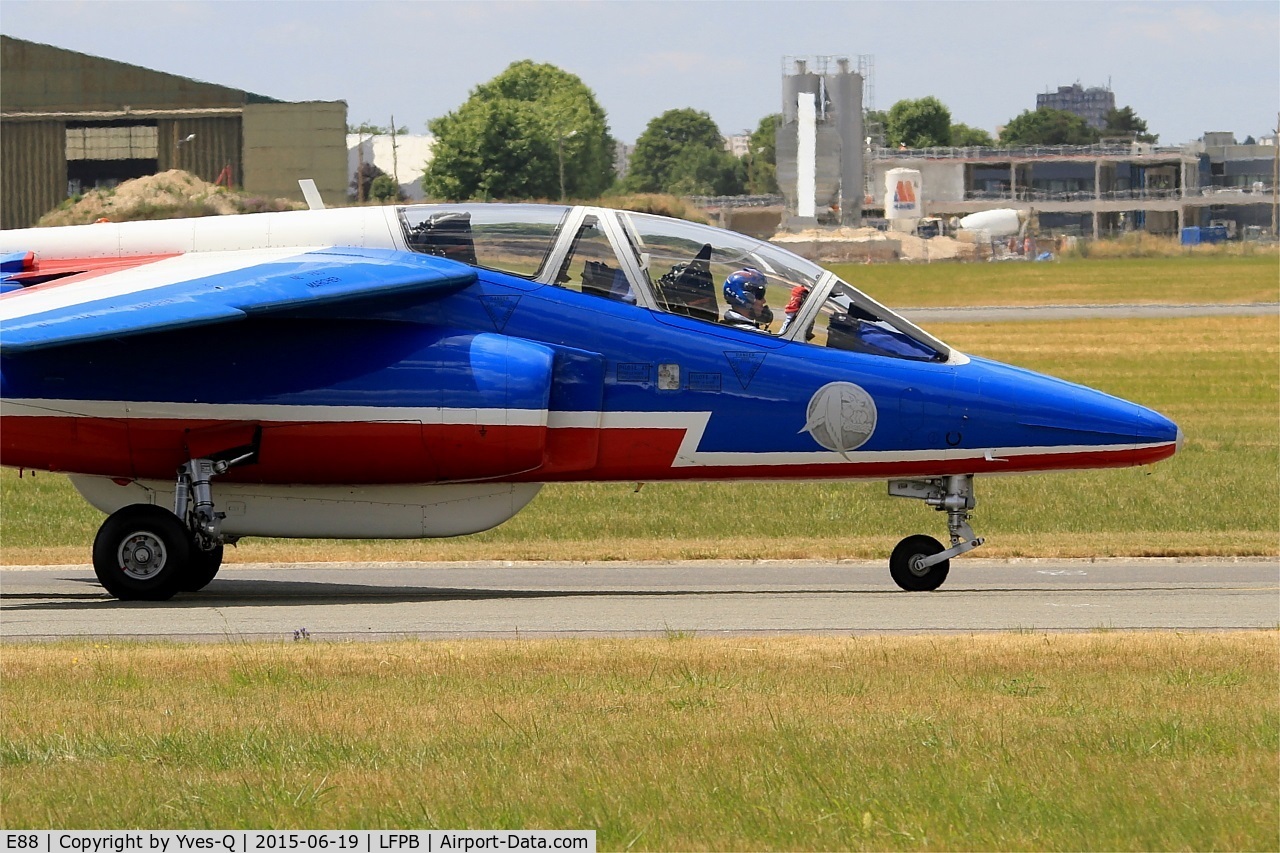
pixel 1091 190
pixel 70 122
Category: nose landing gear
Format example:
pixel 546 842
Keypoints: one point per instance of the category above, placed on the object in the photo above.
pixel 920 563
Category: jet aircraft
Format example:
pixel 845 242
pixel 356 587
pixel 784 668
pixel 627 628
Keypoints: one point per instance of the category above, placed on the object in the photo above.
pixel 420 371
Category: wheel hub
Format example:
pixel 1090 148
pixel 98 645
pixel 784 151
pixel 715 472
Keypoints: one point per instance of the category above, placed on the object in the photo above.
pixel 142 556
pixel 914 564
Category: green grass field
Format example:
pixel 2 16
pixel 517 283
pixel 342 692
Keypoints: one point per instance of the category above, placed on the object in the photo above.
pixel 1178 280
pixel 1007 742
pixel 1217 377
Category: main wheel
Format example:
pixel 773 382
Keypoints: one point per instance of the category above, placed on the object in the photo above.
pixel 142 553
pixel 202 568
pixel 904 564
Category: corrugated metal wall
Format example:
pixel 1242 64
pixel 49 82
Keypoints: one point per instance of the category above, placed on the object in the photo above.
pixel 216 145
pixel 284 143
pixel 33 171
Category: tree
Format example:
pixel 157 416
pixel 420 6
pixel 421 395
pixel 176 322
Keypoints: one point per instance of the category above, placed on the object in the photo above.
pixel 384 189
pixel 706 171
pixel 682 152
pixel 762 158
pixel 1125 122
pixel 364 177
pixel 367 128
pixel 362 180
pixel 1046 126
pixel 517 134
pixel 922 123
pixel 963 136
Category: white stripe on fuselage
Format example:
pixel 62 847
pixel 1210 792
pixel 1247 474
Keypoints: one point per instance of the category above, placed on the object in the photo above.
pixel 692 424
pixel 267 413
pixel 138 279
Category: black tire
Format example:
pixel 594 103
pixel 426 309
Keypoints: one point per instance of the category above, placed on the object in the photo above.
pixel 202 568
pixel 142 553
pixel 903 561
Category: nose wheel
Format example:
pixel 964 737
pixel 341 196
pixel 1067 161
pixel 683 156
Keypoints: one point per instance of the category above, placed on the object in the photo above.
pixel 920 563
pixel 908 567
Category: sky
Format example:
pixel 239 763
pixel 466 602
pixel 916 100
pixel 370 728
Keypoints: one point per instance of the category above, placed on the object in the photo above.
pixel 1186 68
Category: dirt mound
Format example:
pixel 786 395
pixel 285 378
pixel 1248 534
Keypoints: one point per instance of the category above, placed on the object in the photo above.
pixel 169 195
pixel 848 244
pixel 935 248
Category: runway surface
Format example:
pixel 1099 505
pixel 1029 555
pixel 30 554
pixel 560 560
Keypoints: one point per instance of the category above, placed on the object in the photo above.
pixel 378 601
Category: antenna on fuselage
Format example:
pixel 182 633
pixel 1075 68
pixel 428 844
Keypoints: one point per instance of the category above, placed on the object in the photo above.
pixel 311 194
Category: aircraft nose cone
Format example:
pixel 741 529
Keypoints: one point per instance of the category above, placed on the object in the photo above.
pixel 1155 427
pixel 1062 419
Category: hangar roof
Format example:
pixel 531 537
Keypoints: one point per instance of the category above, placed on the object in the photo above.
pixel 41 78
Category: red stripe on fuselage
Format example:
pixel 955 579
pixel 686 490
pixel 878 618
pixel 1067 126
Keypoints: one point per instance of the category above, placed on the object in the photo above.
pixel 400 452
pixel 290 452
pixel 73 270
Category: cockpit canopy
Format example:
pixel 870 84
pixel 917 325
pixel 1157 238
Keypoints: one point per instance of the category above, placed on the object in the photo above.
pixel 512 238
pixel 668 265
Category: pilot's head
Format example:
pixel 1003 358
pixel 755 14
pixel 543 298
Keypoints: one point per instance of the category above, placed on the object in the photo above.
pixel 744 290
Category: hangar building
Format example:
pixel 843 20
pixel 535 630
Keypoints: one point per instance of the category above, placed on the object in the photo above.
pixel 70 122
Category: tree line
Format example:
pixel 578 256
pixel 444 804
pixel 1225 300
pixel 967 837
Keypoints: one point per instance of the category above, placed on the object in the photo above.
pixel 926 123
pixel 538 132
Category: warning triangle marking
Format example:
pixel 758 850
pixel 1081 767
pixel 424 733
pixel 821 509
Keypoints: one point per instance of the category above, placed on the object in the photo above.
pixel 500 309
pixel 745 365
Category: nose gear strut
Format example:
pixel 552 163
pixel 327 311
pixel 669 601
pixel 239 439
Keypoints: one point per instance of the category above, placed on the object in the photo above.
pixel 920 562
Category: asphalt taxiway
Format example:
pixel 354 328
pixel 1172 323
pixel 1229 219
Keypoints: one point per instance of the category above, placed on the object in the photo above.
pixel 378 601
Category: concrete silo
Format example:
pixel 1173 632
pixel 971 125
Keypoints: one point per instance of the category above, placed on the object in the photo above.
pixel 820 143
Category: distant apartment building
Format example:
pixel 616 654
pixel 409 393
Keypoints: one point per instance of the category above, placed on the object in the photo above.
pixel 739 145
pixel 622 158
pixel 1090 104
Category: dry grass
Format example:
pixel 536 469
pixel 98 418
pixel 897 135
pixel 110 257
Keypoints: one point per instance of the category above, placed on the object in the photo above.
pixel 1104 741
pixel 1140 244
pixel 656 203
pixel 1182 280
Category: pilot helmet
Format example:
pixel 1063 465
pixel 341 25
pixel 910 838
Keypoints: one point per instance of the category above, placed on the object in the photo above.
pixel 744 287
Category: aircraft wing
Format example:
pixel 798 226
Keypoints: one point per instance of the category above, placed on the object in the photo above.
pixel 211 287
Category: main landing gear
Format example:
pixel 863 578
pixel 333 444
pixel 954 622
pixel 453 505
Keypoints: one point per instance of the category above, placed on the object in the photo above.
pixel 920 563
pixel 147 553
